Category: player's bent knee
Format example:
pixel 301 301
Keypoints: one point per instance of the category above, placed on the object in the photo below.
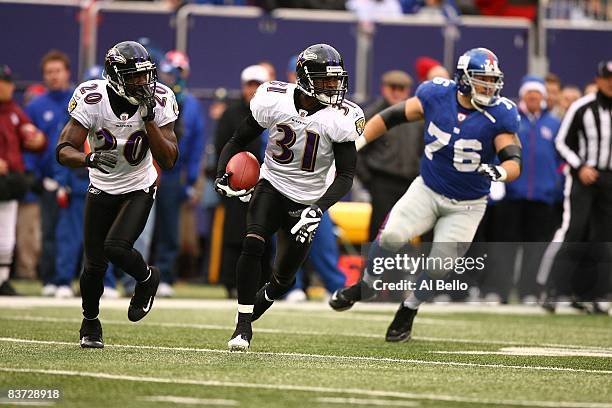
pixel 117 250
pixel 285 282
pixel 93 271
pixel 391 240
pixel 438 273
pixel 256 236
pixel 253 245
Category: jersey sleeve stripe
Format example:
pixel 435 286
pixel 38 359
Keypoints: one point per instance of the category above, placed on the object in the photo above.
pixel 564 150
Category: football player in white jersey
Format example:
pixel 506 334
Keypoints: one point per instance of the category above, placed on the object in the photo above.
pixel 310 125
pixel 128 120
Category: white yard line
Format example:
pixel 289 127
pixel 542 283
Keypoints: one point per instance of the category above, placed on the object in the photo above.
pixel 199 326
pixel 321 356
pixel 190 401
pixel 305 388
pixel 380 336
pixel 535 351
pixel 34 301
pixel 367 317
pixel 367 401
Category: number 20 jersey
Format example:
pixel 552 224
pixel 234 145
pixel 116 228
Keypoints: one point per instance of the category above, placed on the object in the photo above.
pixel 458 140
pixel 299 153
pixel 90 106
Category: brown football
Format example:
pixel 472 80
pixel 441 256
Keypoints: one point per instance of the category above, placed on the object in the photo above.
pixel 245 171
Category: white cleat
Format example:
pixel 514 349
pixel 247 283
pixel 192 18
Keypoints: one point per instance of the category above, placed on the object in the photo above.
pixel 64 292
pixel 110 293
pixel 49 290
pixel 165 290
pixel 238 343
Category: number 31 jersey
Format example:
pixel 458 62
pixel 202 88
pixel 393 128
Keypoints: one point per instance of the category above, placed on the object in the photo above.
pixel 90 106
pixel 458 140
pixel 299 153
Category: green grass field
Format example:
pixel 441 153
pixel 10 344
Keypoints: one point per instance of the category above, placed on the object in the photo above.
pixel 308 356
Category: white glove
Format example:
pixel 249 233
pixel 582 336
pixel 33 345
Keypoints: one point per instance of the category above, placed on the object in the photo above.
pixel 494 173
pixel 309 221
pixel 222 187
pixel 245 198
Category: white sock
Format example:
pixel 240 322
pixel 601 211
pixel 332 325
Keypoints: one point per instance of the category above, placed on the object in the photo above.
pixel 412 302
pixel 4 274
pixel 245 308
pixel 95 318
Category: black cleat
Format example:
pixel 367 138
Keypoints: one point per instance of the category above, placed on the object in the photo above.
pixel 6 289
pixel 549 305
pixel 144 294
pixel 91 334
pixel 343 299
pixel 261 303
pixel 401 326
pixel 241 339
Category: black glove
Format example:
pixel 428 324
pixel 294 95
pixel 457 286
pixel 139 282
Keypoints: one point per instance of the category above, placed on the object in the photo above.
pixel 305 228
pixel 147 105
pixel 96 160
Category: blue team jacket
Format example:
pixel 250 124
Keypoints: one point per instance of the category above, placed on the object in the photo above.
pixel 189 129
pixel 540 179
pixel 49 112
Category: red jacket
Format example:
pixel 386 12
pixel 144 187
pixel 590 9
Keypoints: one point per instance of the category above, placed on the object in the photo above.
pixel 11 136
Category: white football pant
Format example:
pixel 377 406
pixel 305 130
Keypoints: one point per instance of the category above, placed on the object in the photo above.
pixel 420 209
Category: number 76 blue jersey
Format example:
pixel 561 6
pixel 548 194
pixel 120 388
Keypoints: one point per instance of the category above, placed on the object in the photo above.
pixel 458 140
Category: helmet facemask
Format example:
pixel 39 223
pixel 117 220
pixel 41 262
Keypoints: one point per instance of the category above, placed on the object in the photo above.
pixel 329 88
pixel 134 83
pixel 484 92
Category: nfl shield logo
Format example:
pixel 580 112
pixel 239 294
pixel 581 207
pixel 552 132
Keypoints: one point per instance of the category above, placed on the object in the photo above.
pixel 461 117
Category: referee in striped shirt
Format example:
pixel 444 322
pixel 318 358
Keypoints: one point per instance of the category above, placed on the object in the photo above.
pixel 585 142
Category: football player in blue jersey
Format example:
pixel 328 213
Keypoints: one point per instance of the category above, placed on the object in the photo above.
pixel 467 124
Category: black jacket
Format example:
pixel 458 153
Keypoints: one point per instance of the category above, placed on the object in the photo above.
pixel 234 227
pixel 395 155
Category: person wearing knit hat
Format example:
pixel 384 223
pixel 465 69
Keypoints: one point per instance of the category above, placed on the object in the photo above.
pixel 428 68
pixel 528 211
pixel 532 83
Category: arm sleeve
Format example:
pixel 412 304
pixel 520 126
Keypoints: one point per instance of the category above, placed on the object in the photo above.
pixel 567 139
pixel 25 119
pixel 248 131
pixel 77 110
pixel 345 156
pixel 351 125
pixel 261 104
pixel 168 110
pixel 511 119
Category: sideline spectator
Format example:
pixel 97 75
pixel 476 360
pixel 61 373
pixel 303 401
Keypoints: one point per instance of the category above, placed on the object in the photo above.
pixel 588 210
pixel 17 133
pixel 526 217
pixel 384 173
pixel 63 198
pixel 177 185
pixel 569 95
pixel 553 90
pixel 428 68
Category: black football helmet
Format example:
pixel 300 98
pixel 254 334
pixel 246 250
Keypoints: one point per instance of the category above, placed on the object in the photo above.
pixel 130 71
pixel 320 74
